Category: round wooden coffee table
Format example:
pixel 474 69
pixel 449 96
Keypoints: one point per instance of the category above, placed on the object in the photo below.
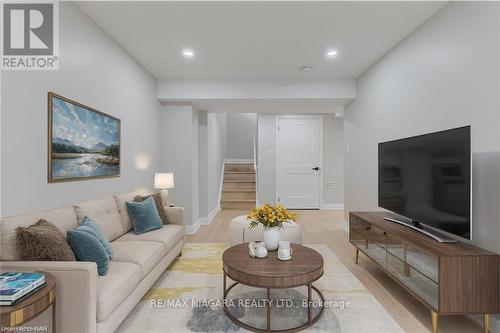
pixel 305 267
pixel 32 306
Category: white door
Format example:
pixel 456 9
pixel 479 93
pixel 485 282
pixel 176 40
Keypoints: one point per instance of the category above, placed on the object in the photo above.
pixel 298 161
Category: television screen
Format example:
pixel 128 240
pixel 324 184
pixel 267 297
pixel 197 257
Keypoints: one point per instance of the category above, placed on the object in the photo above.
pixel 427 178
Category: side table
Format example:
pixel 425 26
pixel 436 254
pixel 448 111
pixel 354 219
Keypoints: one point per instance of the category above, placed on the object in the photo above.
pixel 32 306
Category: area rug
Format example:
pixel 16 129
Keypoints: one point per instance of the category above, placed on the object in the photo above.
pixel 188 298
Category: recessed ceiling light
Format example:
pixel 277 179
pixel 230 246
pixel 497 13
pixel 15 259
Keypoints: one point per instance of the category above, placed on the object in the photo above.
pixel 305 68
pixel 188 53
pixel 332 53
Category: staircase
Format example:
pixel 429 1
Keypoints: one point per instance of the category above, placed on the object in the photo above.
pixel 238 190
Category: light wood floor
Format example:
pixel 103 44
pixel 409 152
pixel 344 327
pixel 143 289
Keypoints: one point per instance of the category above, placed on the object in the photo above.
pixel 325 227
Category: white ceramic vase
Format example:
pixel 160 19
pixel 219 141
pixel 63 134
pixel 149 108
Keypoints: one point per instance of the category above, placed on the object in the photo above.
pixel 271 238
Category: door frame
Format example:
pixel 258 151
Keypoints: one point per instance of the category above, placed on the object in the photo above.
pixel 276 155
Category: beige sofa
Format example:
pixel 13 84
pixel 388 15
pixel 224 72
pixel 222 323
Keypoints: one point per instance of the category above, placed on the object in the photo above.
pixel 87 302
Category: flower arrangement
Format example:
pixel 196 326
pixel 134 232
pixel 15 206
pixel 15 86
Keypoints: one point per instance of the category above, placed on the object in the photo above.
pixel 270 216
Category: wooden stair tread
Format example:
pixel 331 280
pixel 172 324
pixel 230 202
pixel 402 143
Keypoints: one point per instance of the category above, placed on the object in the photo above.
pixel 238 172
pixel 239 190
pixel 239 200
pixel 239 181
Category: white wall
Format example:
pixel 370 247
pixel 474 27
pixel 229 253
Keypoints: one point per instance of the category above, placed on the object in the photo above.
pixel 446 74
pixel 192 90
pixel 195 165
pixel 95 71
pixel 241 128
pixel 203 161
pixel 192 146
pixel 266 167
pixel 212 140
pixel 333 160
pixel 216 139
pixel 177 150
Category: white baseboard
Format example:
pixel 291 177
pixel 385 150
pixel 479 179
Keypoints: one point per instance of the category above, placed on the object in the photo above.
pixel 207 220
pixel 332 206
pixel 238 161
pixel 193 228
pixel 221 184
pixel 212 214
pixel 345 225
pixel 203 220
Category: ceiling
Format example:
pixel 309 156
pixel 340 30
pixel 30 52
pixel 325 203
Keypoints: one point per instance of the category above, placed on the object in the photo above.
pixel 258 40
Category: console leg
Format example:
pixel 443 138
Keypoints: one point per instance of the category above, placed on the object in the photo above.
pixel 357 255
pixel 435 317
pixel 486 322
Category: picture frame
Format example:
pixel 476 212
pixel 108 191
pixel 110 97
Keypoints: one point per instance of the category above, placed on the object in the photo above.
pixel 83 143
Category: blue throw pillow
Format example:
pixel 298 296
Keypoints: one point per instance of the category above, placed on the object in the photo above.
pixel 91 227
pixel 88 248
pixel 144 216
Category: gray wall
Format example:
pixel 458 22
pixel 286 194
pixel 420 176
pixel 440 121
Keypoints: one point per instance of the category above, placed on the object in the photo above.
pixel 333 159
pixel 446 74
pixel 95 71
pixel 241 128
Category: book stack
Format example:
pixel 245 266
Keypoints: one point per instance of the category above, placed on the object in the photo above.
pixel 16 286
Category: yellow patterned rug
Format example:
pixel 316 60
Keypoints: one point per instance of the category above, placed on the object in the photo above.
pixel 188 298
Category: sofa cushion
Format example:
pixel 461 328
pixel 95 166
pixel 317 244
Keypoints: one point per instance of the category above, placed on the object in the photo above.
pixel 169 236
pixel 92 228
pixel 104 213
pixel 118 284
pixel 63 218
pixel 143 253
pixel 160 205
pixel 88 248
pixel 144 216
pixel 43 241
pixel 122 209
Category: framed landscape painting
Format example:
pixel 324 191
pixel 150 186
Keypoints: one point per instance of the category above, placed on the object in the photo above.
pixel 83 143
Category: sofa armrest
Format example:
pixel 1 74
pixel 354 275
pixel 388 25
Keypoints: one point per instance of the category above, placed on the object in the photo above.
pixel 175 215
pixel 76 291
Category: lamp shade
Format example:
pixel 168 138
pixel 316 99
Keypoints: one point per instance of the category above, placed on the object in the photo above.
pixel 164 181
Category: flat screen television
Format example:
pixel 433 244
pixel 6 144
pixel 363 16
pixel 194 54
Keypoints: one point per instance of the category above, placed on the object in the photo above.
pixel 427 179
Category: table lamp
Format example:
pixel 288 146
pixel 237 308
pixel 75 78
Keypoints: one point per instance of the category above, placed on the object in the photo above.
pixel 164 182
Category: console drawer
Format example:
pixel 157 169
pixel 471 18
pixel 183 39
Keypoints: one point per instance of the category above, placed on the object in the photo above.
pixel 369 231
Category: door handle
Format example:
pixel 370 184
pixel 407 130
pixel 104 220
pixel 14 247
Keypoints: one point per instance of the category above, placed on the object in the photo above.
pixel 316 168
